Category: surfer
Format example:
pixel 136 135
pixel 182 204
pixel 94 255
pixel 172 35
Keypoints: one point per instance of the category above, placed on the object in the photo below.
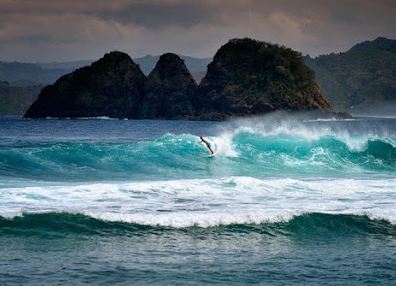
pixel 207 144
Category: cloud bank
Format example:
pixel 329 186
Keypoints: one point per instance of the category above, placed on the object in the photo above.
pixel 43 30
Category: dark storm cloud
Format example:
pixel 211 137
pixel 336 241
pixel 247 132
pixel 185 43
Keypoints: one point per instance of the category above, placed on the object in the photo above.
pixel 64 29
pixel 157 15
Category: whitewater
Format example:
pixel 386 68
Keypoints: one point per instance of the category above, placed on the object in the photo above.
pixel 276 180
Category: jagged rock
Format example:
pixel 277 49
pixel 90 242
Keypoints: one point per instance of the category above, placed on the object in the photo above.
pixel 112 86
pixel 248 77
pixel 169 90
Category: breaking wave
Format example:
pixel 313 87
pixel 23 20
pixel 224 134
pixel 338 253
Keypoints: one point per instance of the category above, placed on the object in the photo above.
pixel 206 202
pixel 244 151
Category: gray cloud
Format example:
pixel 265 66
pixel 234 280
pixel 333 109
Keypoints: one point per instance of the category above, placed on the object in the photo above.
pixel 156 15
pixel 42 30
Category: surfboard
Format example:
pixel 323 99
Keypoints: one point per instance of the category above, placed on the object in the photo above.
pixel 211 155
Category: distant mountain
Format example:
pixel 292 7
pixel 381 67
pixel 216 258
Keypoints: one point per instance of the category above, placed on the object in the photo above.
pixel 14 100
pixel 28 74
pixel 359 79
pixel 24 74
pixel 73 65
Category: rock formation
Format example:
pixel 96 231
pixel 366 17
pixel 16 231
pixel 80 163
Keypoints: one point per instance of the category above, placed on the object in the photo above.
pixel 169 90
pixel 112 86
pixel 246 77
pixel 250 77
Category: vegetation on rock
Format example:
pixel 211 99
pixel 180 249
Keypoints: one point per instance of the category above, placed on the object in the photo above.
pixel 359 78
pixel 246 77
pixel 251 77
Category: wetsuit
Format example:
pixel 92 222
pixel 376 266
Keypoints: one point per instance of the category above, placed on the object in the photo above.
pixel 207 145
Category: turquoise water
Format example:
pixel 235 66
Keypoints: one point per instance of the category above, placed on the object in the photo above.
pixel 285 201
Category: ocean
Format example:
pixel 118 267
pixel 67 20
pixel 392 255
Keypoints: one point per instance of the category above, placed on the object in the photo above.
pixel 286 201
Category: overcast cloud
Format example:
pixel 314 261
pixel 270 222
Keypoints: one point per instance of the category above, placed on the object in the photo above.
pixel 62 30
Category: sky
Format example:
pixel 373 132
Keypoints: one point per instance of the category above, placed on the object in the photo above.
pixel 68 30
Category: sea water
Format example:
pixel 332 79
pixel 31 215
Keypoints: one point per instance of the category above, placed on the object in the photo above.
pixel 286 201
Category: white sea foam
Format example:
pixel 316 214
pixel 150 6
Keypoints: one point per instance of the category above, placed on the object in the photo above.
pixel 207 202
pixel 224 145
pixel 84 118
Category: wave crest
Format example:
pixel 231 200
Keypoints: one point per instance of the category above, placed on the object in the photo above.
pixel 207 202
pixel 307 225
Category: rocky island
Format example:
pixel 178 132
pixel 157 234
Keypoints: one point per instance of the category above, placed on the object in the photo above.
pixel 112 86
pixel 253 77
pixel 246 77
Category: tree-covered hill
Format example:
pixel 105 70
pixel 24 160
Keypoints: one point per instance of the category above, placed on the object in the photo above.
pixel 249 77
pixel 363 77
